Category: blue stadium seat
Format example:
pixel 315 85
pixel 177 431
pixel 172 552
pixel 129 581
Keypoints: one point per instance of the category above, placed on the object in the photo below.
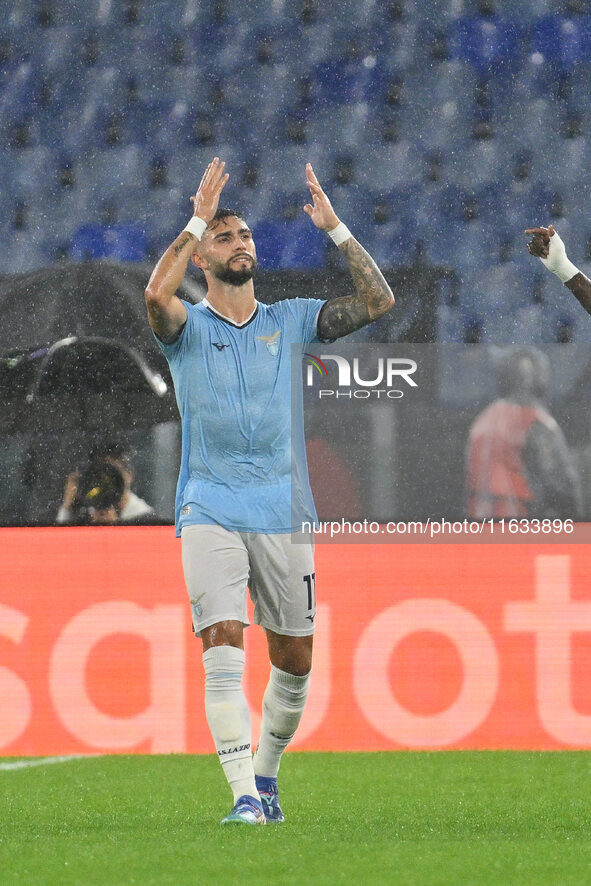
pixel 341 127
pixel 70 210
pixel 108 171
pixel 390 165
pixel 162 213
pixel 504 289
pixel 397 44
pixel 568 163
pixel 529 120
pixel 187 166
pixel 271 238
pixel 344 81
pixel 392 243
pixel 20 13
pixel 17 87
pixel 28 171
pixel 126 241
pixel 479 163
pixel 562 39
pixel 89 13
pixel 284 168
pixel 489 43
pixel 122 241
pixel 57 49
pixel 304 246
pixel 221 47
pixel 88 243
pixel 444 11
pixel 178 84
pixel 312 41
pixel 447 126
pixel 526 12
pixel 475 245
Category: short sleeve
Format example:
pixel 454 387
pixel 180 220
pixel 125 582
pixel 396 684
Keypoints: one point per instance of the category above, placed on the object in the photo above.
pixel 310 309
pixel 176 349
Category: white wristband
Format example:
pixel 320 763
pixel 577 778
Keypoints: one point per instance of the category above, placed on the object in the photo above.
pixel 340 234
pixel 566 270
pixel 196 226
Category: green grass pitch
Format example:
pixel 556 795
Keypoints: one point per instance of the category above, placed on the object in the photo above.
pixel 446 818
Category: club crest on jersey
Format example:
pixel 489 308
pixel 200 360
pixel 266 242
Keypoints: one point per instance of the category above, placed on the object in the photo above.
pixel 272 342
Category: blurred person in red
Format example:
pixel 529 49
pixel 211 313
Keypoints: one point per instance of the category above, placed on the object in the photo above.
pixel 518 464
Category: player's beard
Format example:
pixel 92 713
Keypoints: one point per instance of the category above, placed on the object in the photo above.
pixel 227 274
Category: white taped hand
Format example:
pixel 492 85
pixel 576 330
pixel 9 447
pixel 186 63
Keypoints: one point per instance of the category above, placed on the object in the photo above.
pixel 557 260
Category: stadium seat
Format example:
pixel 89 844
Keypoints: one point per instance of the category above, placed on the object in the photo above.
pixel 504 289
pixel 93 13
pixel 397 46
pixel 479 164
pixel 88 243
pixel 304 247
pixel 390 165
pixel 71 209
pixel 392 243
pixel 343 80
pixel 20 13
pixel 126 241
pixel 106 172
pixel 271 238
pixel 123 241
pixel 342 127
pixel 489 43
pixel 28 171
pixel 473 244
pixel 562 39
pixel 161 213
pixel 284 168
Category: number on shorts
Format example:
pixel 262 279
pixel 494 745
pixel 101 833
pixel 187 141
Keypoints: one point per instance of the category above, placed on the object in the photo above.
pixel 310 581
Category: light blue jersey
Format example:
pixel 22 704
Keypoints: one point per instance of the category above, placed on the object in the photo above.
pixel 243 465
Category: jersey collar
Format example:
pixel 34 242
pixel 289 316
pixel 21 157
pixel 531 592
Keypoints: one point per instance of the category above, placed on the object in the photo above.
pixel 223 317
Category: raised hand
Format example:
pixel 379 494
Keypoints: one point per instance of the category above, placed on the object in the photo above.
pixel 205 201
pixel 539 245
pixel 547 245
pixel 320 210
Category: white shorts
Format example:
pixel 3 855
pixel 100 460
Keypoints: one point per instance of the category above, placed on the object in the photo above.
pixel 220 564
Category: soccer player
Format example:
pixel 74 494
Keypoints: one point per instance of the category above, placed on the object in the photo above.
pixel 547 245
pixel 243 488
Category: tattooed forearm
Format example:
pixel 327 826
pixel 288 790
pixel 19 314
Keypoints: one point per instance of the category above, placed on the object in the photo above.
pixel 368 279
pixel 180 246
pixel 373 297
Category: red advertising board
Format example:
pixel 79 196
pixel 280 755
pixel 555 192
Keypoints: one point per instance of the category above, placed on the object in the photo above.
pixel 417 646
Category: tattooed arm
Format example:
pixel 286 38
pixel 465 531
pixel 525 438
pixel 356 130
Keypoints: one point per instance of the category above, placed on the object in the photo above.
pixel 166 312
pixel 373 296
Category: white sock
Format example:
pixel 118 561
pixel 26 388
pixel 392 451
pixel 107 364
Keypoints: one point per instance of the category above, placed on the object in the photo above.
pixel 283 706
pixel 228 716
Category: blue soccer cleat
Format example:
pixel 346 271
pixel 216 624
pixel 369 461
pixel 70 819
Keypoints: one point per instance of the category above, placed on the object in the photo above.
pixel 247 810
pixel 267 788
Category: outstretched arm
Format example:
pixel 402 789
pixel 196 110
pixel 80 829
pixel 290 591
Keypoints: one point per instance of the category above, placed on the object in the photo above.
pixel 373 296
pixel 166 312
pixel 547 245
